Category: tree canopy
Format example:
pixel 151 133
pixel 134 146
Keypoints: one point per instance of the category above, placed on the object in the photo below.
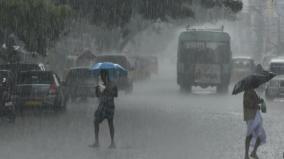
pixel 39 23
pixel 115 13
pixel 36 22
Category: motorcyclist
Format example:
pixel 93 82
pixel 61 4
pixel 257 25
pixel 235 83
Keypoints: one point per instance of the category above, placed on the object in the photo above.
pixel 4 91
pixel 5 97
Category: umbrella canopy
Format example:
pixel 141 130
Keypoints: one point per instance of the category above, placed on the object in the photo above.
pixel 253 81
pixel 113 69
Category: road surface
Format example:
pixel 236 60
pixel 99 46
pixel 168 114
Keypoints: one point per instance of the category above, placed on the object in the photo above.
pixel 155 122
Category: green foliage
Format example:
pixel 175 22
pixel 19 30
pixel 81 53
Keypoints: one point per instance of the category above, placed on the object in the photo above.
pixel 235 5
pixel 208 3
pixel 36 22
pixel 117 13
pixel 113 13
pixel 161 9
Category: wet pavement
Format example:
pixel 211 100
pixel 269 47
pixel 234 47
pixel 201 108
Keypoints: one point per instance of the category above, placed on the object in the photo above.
pixel 155 122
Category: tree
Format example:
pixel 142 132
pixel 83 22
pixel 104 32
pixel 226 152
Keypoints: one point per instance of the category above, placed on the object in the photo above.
pixel 38 23
pixel 117 14
pixel 161 9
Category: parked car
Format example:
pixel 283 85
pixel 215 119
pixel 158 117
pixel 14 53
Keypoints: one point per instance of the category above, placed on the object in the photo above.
pixel 242 66
pixel 141 67
pixel 80 83
pixel 39 89
pixel 276 65
pixel 23 67
pixel 123 83
pixel 19 67
pixel 275 88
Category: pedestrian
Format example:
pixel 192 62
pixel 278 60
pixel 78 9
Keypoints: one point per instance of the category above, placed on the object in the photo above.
pixel 106 92
pixel 255 132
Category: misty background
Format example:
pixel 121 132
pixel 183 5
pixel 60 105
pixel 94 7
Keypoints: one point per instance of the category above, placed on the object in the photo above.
pixel 156 121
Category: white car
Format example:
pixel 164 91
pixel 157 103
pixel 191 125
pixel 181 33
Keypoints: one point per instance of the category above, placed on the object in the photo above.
pixel 275 88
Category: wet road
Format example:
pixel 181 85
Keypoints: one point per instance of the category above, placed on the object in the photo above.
pixel 155 122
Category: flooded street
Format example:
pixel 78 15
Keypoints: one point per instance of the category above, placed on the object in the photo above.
pixel 159 74
pixel 155 122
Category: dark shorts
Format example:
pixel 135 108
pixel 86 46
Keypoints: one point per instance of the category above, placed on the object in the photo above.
pixel 103 113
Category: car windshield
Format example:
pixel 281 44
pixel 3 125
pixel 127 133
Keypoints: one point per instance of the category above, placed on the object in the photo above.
pixel 201 45
pixel 35 78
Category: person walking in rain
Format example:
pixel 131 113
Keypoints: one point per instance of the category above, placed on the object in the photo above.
pixel 106 92
pixel 255 132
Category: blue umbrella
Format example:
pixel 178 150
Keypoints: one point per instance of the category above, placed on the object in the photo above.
pixel 115 70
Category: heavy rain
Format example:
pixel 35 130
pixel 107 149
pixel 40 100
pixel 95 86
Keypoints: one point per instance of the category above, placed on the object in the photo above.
pixel 141 79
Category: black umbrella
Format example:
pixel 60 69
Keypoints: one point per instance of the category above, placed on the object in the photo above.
pixel 253 81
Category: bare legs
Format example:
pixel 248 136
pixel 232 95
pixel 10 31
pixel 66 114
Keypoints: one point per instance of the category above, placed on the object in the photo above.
pixel 247 144
pixel 253 153
pixel 111 130
pixel 97 129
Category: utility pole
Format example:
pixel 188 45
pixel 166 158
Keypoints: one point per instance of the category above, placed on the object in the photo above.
pixel 279 11
pixel 278 35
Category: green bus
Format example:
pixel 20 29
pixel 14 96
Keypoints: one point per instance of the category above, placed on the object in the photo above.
pixel 204 59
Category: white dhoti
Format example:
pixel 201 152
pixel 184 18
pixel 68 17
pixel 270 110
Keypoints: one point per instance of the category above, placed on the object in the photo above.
pixel 255 128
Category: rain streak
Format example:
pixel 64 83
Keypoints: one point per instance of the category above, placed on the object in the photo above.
pixel 141 79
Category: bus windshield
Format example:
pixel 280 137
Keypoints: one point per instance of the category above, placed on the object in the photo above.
pixel 201 45
pixel 206 51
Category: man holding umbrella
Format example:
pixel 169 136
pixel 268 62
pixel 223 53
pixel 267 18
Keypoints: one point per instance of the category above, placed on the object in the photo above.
pixel 106 92
pixel 255 131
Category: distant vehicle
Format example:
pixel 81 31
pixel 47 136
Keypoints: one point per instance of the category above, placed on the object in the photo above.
pixel 86 59
pixel 123 83
pixel 80 83
pixel 266 61
pixel 275 88
pixel 204 59
pixel 154 64
pixel 242 66
pixel 39 89
pixel 141 67
pixel 276 65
